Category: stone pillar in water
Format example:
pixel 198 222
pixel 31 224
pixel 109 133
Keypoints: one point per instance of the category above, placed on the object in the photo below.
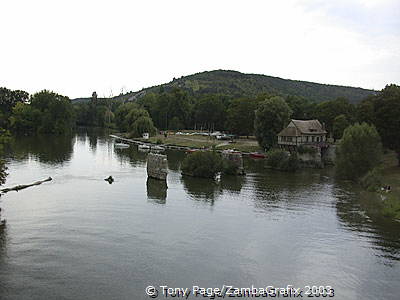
pixel 157 166
pixel 235 158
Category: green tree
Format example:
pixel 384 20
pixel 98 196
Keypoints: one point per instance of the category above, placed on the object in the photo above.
pixel 340 123
pixel 359 151
pixel 387 117
pixel 302 108
pixel 8 99
pixel 240 116
pixel 202 164
pixel 141 125
pixel 271 117
pixel 57 113
pixel 210 112
pixel 25 118
pixel 326 112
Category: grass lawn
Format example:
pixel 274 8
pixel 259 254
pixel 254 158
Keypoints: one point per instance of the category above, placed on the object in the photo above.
pixel 199 141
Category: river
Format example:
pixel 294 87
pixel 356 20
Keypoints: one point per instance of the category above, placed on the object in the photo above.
pixel 79 237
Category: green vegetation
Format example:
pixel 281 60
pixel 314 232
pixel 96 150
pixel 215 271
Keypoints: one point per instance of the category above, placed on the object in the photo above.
pixel 240 116
pixel 282 160
pixel 4 136
pixel 47 112
pixel 237 85
pixel 340 123
pixel 271 117
pixel 383 110
pixel 229 167
pixel 202 164
pixel 359 151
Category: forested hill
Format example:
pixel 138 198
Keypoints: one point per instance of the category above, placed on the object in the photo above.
pixel 237 84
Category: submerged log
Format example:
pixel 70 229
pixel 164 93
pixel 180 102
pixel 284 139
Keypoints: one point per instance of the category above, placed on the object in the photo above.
pixel 24 186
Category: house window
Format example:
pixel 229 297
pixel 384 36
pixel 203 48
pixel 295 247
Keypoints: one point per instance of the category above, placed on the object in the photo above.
pixel 312 139
pixel 317 138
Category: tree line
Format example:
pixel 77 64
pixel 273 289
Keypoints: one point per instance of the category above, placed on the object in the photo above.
pixel 264 115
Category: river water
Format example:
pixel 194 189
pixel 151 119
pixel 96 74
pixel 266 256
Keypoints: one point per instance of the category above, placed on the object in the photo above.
pixel 78 237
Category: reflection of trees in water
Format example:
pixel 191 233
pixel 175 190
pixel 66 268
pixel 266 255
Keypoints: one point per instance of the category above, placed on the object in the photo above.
pixel 277 188
pixel 50 149
pixel 232 184
pixel 93 135
pixel 201 188
pixel 360 212
pixel 3 230
pixel 156 190
pixel 131 155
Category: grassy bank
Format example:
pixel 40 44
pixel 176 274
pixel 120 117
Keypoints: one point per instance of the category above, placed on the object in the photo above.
pixel 391 176
pixel 199 141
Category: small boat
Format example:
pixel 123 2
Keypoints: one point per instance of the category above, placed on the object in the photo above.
pixel 191 150
pixel 257 155
pixel 121 145
pixel 157 148
pixel 144 147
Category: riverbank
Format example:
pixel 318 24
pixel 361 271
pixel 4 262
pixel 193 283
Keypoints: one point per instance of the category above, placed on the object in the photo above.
pixel 199 142
pixel 391 177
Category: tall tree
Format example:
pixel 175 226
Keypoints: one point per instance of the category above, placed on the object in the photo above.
pixel 327 111
pixel 240 116
pixel 340 123
pixel 387 117
pixel 359 151
pixel 271 117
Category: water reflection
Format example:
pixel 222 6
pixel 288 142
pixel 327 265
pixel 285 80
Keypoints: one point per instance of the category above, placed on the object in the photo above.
pixel 50 149
pixel 156 190
pixel 201 189
pixel 232 184
pixel 359 212
pixel 131 155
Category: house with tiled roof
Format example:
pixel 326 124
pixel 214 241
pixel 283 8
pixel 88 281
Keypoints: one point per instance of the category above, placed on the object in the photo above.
pixel 302 132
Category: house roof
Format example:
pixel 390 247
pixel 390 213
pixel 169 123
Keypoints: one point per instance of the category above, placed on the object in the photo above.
pixel 303 127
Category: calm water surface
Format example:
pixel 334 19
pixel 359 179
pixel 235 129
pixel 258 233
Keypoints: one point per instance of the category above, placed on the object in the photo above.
pixel 79 237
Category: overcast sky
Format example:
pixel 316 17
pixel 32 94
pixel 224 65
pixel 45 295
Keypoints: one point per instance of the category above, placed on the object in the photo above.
pixel 76 47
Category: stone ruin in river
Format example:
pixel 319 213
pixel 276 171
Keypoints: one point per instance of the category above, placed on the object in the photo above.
pixel 157 166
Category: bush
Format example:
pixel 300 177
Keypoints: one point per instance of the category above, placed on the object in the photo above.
pixel 282 160
pixel 359 151
pixel 372 181
pixel 202 164
pixel 304 149
pixel 275 158
pixel 229 167
pixel 290 164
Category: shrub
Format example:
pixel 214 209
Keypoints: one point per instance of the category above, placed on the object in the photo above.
pixel 282 160
pixel 275 158
pixel 359 151
pixel 202 164
pixel 304 149
pixel 372 181
pixel 229 167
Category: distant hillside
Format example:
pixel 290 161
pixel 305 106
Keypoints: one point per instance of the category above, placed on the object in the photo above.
pixel 238 84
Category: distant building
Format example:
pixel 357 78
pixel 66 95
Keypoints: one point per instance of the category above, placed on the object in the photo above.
pixel 302 132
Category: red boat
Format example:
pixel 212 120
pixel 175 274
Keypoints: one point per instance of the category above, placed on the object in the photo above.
pixel 257 155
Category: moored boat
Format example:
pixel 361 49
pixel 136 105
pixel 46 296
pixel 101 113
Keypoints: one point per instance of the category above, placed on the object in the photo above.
pixel 257 155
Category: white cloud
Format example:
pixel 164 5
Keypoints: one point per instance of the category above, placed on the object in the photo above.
pixel 75 47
